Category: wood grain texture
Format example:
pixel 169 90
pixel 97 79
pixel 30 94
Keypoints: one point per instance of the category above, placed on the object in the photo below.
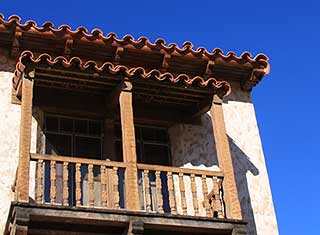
pixel 233 209
pixel 52 182
pixel 146 182
pixel 172 201
pixel 159 192
pixel 65 184
pixel 39 182
pixel 183 194
pixel 25 141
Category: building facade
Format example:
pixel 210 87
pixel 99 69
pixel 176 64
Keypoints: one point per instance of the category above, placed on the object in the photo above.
pixel 108 135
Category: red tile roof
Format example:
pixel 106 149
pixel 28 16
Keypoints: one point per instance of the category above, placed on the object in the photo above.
pixel 28 58
pixel 181 62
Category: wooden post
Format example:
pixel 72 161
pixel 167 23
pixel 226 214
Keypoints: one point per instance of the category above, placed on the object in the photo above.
pixel 129 147
pixel 25 141
pixel 233 209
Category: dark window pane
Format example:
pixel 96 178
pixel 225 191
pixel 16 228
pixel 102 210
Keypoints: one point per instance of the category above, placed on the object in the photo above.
pixel 153 134
pixel 80 126
pixel 137 132
pixel 51 123
pixel 118 133
pixel 94 128
pixel 57 144
pixel 156 154
pixel 118 150
pixel 139 156
pixel 66 125
pixel 87 147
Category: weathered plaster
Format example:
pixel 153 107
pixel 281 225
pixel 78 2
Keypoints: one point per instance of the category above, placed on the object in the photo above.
pixel 9 141
pixel 193 146
pixel 250 167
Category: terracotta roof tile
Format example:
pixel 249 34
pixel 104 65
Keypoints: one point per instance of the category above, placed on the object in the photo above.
pixel 97 35
pixel 28 58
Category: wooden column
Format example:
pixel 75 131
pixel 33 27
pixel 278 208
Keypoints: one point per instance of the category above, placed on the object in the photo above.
pixel 129 147
pixel 25 141
pixel 233 210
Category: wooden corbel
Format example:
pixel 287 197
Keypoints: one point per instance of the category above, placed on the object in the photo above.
pixel 255 77
pixel 68 46
pixel 112 99
pixel 209 67
pixel 165 62
pixel 15 47
pixel 118 55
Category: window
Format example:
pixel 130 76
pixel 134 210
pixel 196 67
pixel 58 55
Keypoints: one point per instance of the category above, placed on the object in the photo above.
pixel 152 145
pixel 73 137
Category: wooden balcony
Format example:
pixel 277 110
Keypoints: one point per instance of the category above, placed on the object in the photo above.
pixel 81 182
pixel 86 196
pixel 67 195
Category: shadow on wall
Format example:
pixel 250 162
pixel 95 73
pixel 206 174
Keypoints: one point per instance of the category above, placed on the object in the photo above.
pixel 195 146
pixel 242 165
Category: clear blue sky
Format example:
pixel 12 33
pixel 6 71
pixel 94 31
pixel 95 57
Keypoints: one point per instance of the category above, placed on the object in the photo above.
pixel 286 101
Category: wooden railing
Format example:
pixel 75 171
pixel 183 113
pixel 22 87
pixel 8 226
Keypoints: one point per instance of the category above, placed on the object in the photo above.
pixel 181 191
pixel 70 181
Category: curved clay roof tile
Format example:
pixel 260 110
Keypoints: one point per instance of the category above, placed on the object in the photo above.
pixel 108 67
pixel 97 34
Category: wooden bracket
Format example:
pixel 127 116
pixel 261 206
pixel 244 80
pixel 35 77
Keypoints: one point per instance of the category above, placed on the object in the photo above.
pixel 203 107
pixel 165 64
pixel 217 99
pixel 68 46
pixel 15 48
pixel 112 99
pixel 209 67
pixel 118 55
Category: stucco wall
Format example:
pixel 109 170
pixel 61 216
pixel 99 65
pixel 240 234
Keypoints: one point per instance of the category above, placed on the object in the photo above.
pixel 9 140
pixel 193 146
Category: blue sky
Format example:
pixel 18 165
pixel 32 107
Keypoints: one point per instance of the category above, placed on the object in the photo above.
pixel 286 102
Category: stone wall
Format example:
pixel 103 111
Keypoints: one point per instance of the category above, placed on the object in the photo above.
pixel 9 139
pixel 193 146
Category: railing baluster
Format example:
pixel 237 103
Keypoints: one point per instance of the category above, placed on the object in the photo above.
pixel 104 195
pixel 217 205
pixel 65 184
pixel 115 178
pixel 39 197
pixel 194 194
pixel 159 192
pixel 172 202
pixel 183 194
pixel 78 184
pixel 91 185
pixel 206 203
pixel 52 182
pixel 147 189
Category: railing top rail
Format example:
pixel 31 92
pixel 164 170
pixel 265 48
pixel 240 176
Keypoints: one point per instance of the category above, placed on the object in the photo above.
pixel 172 169
pixel 57 158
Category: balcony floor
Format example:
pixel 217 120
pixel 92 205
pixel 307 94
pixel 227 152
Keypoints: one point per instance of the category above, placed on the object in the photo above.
pixel 55 219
